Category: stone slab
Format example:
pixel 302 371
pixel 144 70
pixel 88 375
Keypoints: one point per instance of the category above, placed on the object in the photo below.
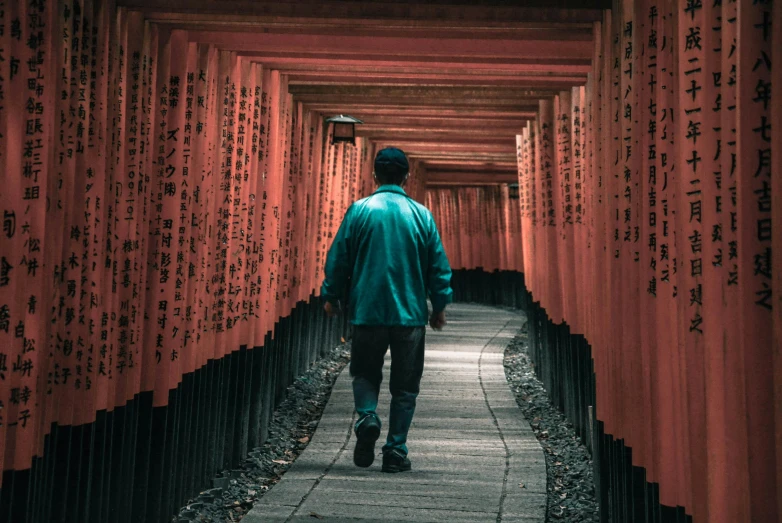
pixel 467 427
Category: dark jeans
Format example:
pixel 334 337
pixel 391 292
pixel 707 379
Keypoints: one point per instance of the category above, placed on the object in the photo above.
pixel 407 364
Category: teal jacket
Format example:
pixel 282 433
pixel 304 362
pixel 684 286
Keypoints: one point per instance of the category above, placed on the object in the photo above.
pixel 389 252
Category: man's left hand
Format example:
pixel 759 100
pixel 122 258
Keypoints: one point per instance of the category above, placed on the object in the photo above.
pixel 437 320
pixel 330 309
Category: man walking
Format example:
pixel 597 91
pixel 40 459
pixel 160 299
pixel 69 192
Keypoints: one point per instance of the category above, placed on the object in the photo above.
pixel 389 253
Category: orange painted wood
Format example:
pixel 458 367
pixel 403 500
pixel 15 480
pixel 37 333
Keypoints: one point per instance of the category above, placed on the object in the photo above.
pixel 665 286
pixel 187 209
pixel 616 364
pixel 735 433
pixel 160 229
pixel 381 14
pixel 541 261
pixel 646 66
pixel 776 108
pixel 690 180
pixel 601 226
pixel 755 234
pixel 715 451
pixel 490 229
pixel 553 216
pixel 577 202
pixel 630 218
pixel 363 47
pixel 562 138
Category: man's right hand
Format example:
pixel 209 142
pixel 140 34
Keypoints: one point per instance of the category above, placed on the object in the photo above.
pixel 437 320
pixel 330 309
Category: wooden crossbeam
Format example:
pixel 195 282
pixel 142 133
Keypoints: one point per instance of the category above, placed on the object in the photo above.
pixel 529 12
pixel 458 178
pixel 450 82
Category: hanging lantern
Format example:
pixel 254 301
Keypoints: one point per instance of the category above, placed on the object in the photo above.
pixel 513 191
pixel 344 128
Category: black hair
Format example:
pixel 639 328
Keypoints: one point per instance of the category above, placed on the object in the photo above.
pixel 391 177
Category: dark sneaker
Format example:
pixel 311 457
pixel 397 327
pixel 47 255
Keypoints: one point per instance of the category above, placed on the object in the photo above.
pixel 367 432
pixel 395 461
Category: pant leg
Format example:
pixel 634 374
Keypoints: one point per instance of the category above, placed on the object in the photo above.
pixel 367 351
pixel 407 366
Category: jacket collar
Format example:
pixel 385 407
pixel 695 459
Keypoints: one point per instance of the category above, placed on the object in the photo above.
pixel 391 188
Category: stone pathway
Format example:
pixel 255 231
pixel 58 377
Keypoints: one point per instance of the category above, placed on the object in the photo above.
pixel 475 458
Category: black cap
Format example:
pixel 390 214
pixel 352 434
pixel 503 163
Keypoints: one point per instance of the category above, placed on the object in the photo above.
pixel 391 162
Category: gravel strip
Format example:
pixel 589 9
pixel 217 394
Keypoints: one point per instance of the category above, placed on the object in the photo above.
pixel 294 422
pixel 570 485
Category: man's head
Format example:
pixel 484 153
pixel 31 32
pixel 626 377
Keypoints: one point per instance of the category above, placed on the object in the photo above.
pixel 391 167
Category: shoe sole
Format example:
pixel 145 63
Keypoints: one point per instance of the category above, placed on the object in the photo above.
pixel 393 470
pixel 396 465
pixel 364 452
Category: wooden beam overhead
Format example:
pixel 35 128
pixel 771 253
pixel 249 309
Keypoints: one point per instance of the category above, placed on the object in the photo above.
pixel 475 130
pixel 281 59
pixel 458 158
pixel 405 70
pixel 422 111
pixel 434 178
pixel 389 80
pixel 468 165
pixel 434 121
pixel 457 153
pixel 506 139
pixel 488 93
pixel 457 146
pixel 580 33
pixel 531 12
pixel 413 101
pixel 285 60
pixel 494 146
pixel 472 131
pixel 458 184
pixel 406 28
pixel 449 81
pixel 418 48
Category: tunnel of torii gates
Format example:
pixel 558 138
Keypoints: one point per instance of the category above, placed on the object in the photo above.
pixel 169 191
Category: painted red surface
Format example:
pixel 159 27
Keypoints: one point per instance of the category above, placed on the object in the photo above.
pixel 479 226
pixel 166 198
pixel 168 207
pixel 678 304
pixel 672 279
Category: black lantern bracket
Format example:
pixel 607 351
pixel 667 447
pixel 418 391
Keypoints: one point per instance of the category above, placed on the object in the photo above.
pixel 344 128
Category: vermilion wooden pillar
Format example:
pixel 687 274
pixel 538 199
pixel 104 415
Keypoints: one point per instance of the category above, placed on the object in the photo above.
pixel 714 223
pixel 563 158
pixel 690 192
pixel 776 107
pixel 755 235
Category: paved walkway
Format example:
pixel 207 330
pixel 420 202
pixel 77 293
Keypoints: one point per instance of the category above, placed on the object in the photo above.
pixel 475 458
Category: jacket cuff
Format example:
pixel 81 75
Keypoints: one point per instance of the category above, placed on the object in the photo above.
pixel 334 300
pixel 328 296
pixel 441 300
